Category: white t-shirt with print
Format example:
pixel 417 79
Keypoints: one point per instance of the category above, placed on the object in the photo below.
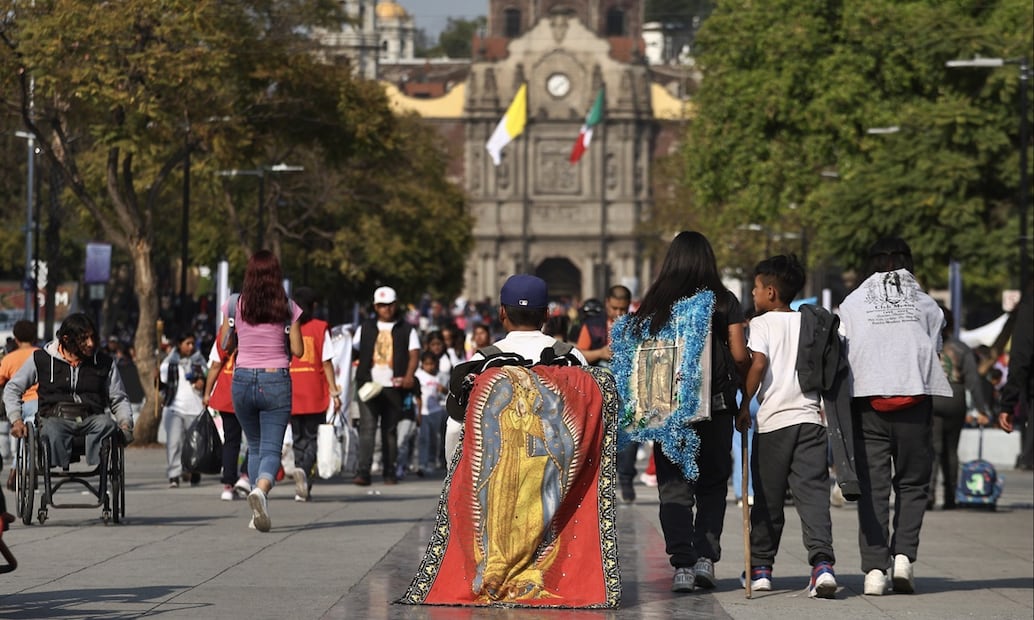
pixel 381 370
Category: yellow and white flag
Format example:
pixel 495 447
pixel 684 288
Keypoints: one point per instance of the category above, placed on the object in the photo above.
pixel 510 126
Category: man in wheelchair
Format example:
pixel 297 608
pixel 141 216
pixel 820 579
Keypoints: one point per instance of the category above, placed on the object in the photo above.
pixel 78 383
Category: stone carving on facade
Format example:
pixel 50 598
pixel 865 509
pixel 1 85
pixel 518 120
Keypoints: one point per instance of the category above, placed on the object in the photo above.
pixel 558 25
pixel 555 174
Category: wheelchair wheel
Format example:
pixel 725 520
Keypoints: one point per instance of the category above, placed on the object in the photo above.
pixel 28 461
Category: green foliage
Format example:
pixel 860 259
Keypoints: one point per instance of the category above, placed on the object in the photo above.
pixel 456 39
pixel 789 90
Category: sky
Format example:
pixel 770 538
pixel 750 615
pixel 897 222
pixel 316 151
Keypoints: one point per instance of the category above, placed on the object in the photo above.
pixel 432 15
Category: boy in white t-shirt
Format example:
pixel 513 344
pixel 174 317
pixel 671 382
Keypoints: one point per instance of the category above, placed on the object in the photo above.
pixel 432 412
pixel 790 441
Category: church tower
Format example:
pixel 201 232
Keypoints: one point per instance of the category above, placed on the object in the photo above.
pixel 574 225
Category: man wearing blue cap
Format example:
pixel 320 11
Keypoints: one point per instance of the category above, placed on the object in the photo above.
pixel 523 303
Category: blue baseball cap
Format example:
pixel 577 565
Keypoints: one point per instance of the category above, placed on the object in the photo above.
pixel 525 291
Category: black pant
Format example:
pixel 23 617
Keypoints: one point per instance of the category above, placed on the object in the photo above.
pixel 686 539
pixel 946 433
pixel 384 409
pixel 231 447
pixel 892 451
pixel 305 429
pixel 626 462
pixel 793 457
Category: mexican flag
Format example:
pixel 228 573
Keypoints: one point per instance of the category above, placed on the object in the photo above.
pixel 585 135
pixel 510 126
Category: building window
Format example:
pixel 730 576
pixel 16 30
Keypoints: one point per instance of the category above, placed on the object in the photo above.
pixel 512 23
pixel 615 23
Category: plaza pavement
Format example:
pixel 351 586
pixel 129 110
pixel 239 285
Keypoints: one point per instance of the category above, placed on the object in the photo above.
pixel 183 553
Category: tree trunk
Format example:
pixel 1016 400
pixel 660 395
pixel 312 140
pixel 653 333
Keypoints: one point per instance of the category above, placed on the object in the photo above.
pixel 146 344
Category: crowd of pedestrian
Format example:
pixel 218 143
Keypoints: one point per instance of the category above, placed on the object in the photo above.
pixel 913 386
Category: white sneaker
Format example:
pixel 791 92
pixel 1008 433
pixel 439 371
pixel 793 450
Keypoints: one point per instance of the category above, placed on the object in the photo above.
pixel 242 487
pixel 259 510
pixel 875 582
pixel 227 494
pixel 301 486
pixel 901 577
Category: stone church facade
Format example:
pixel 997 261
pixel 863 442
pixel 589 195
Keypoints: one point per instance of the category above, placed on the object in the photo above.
pixel 575 225
pixel 578 226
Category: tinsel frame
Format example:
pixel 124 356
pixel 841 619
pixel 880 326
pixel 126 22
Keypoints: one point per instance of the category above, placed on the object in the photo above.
pixel 691 321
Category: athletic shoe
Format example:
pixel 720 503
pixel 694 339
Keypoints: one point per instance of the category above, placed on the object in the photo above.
pixel 242 487
pixel 823 581
pixel 760 579
pixel 649 480
pixel 875 582
pixel 684 580
pixel 301 485
pixel 280 474
pixel 227 494
pixel 259 510
pixel 901 576
pixel 174 483
pixel 704 571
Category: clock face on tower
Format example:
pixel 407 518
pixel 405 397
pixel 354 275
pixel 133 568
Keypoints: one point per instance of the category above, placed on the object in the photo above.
pixel 558 85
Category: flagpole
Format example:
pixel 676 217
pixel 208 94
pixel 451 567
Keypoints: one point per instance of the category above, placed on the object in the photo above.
pixel 602 284
pixel 525 215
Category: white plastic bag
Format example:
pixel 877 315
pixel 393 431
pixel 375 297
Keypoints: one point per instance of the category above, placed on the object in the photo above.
pixel 328 451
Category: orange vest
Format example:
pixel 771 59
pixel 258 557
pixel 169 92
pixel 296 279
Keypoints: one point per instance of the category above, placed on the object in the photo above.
pixel 222 392
pixel 309 390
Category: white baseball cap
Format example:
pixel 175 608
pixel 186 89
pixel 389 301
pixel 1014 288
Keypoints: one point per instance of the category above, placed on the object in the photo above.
pixel 384 295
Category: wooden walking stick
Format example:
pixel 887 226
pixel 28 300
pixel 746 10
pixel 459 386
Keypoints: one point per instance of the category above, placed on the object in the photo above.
pixel 745 485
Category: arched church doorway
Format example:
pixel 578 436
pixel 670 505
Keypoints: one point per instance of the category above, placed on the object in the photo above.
pixel 562 277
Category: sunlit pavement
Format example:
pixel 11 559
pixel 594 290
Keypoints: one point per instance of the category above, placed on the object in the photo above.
pixel 352 550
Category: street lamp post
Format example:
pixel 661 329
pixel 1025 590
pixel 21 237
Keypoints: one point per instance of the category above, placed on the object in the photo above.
pixel 261 174
pixel 29 283
pixel 1023 196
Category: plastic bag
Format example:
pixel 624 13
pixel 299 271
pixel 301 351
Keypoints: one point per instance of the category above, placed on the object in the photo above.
pixel 328 451
pixel 202 449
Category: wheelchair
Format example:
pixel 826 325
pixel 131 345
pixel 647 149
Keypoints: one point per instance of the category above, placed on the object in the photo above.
pixel 34 466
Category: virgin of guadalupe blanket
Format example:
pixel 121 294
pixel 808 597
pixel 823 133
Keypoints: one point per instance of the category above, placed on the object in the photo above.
pixel 526 518
pixel 664 379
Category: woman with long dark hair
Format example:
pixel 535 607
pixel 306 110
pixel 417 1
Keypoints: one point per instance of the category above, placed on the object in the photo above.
pixel 261 380
pixel 694 544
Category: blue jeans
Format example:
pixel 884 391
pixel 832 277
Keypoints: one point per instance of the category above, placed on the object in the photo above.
pixel 262 403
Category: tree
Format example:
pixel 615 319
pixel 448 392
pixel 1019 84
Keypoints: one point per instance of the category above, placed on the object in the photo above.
pixel 456 40
pixel 119 93
pixel 789 91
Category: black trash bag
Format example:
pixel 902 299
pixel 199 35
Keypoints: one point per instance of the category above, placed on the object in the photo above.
pixel 202 449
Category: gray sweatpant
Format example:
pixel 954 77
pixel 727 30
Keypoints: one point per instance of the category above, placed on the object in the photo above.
pixel 793 457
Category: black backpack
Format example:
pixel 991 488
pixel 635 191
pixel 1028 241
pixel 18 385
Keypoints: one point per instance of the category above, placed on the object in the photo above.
pixel 461 381
pixel 725 380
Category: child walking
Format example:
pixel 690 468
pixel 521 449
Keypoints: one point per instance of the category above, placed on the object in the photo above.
pixel 432 412
pixel 790 440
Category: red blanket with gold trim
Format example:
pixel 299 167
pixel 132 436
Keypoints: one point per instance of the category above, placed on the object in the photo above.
pixel 527 513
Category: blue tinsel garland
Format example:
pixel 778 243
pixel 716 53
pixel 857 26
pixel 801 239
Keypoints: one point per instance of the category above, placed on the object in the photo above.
pixel 691 321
